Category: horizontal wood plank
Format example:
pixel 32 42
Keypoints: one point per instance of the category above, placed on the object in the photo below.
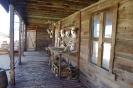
pixel 124 64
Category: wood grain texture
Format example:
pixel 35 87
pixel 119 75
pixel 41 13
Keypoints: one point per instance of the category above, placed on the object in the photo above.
pixel 114 28
pixel 100 46
pixel 43 39
pixel 33 12
pixel 12 71
pixel 124 64
pixel 20 31
pixel 121 69
pixel 123 49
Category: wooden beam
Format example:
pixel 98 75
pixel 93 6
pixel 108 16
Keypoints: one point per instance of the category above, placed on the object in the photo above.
pixel 22 49
pixel 62 6
pixel 114 27
pixel 60 56
pixel 25 38
pixel 40 22
pixel 20 29
pixel 43 18
pixel 26 10
pixel 47 15
pixel 12 72
pixel 60 3
pixel 53 28
pixel 90 37
pixel 44 8
pixel 79 43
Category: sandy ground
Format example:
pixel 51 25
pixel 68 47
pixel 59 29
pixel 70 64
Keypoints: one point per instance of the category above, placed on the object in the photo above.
pixel 5 63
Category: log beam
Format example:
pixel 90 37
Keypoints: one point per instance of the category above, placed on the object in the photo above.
pixel 12 72
pixel 20 29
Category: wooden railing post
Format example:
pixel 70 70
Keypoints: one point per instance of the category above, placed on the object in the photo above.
pixel 12 72
pixel 20 29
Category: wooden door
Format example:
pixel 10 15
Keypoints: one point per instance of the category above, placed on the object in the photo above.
pixel 31 40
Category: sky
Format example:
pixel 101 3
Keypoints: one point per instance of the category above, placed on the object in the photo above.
pixel 5 21
pixel 5 25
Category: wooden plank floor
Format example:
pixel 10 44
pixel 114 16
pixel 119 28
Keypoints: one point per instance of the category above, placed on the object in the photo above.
pixel 35 73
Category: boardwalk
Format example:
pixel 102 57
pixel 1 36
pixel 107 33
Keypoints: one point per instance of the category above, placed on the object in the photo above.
pixel 35 73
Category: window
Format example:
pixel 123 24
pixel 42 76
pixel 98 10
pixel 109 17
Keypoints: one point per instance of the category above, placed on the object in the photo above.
pixel 103 29
pixel 95 36
pixel 106 55
pixel 96 22
pixel 94 52
pixel 108 24
pixel 106 40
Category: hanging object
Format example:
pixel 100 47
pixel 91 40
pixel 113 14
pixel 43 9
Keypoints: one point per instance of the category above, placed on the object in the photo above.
pixel 62 44
pixel 50 32
pixel 62 33
pixel 74 32
pixel 67 33
pixel 72 47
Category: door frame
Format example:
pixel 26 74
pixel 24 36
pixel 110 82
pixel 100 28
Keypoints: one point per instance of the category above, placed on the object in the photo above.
pixel 35 40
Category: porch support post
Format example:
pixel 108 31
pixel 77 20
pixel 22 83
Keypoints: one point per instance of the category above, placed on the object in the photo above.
pixel 25 46
pixel 22 38
pixel 12 72
pixel 79 42
pixel 20 29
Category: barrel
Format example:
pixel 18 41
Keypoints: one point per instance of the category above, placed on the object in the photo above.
pixel 3 79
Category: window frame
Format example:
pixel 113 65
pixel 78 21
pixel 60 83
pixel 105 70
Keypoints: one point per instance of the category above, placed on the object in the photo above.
pixel 93 38
pixel 102 39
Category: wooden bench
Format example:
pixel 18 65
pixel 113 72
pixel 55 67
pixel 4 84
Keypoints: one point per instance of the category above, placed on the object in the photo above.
pixel 15 52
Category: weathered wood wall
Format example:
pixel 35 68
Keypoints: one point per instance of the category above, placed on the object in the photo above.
pixel 122 76
pixel 123 62
pixel 92 75
pixel 42 39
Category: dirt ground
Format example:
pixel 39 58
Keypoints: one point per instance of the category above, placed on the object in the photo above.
pixel 5 62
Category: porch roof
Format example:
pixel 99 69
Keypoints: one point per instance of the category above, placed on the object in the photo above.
pixel 41 12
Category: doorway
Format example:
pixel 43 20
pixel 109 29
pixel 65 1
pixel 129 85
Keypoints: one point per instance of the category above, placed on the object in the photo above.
pixel 31 40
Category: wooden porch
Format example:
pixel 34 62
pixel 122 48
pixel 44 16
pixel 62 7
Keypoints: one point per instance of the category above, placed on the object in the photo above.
pixel 96 36
pixel 35 73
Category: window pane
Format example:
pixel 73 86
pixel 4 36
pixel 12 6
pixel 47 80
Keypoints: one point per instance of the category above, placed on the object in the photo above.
pixel 106 55
pixel 96 25
pixel 108 24
pixel 94 52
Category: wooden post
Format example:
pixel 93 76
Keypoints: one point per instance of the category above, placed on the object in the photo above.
pixel 90 38
pixel 79 41
pixel 12 72
pixel 59 33
pixel 53 35
pixel 25 38
pixel 60 65
pixel 20 29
